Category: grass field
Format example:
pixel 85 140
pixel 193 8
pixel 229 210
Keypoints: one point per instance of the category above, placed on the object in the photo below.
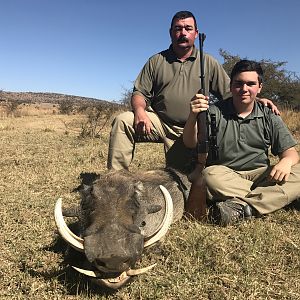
pixel 41 159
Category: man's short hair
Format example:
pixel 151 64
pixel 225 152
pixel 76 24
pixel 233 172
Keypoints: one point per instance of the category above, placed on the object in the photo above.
pixel 246 65
pixel 183 14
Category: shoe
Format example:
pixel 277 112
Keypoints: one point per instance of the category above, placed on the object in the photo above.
pixel 229 212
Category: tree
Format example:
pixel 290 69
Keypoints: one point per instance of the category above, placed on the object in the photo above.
pixel 280 85
pixel 126 97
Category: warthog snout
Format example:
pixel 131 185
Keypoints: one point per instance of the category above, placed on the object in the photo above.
pixel 115 247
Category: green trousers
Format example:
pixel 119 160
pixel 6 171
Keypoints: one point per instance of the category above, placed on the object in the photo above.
pixel 123 139
pixel 252 187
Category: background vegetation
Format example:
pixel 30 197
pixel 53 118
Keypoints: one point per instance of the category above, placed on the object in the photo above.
pixel 279 84
pixel 44 148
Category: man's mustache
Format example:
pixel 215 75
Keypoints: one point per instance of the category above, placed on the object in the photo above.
pixel 182 39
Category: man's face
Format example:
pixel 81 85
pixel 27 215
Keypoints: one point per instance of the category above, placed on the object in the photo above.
pixel 245 87
pixel 183 33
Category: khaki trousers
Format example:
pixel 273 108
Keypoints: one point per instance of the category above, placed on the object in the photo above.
pixel 252 187
pixel 123 139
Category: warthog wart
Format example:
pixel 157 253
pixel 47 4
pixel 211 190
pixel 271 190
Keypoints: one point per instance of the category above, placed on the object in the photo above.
pixel 121 213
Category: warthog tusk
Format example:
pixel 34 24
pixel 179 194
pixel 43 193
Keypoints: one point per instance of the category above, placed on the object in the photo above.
pixel 139 271
pixel 167 220
pixel 89 273
pixel 72 239
pixel 115 282
pixel 130 272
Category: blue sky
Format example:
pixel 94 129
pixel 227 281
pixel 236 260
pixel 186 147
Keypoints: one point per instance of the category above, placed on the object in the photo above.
pixel 96 48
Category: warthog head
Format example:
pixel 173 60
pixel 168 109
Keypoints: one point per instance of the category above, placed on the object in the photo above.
pixel 120 214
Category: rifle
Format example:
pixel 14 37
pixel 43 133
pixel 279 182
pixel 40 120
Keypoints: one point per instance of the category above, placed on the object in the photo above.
pixel 196 204
pixel 202 118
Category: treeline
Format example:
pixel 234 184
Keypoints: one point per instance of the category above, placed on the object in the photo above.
pixel 280 85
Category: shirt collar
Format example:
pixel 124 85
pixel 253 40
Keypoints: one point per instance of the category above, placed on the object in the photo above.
pixel 172 56
pixel 257 111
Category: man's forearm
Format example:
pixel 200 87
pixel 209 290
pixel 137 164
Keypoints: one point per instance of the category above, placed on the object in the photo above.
pixel 291 155
pixel 138 102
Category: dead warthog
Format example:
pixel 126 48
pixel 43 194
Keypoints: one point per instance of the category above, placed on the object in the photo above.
pixel 121 213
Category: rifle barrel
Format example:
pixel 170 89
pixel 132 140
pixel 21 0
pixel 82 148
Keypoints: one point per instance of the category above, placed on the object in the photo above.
pixel 202 116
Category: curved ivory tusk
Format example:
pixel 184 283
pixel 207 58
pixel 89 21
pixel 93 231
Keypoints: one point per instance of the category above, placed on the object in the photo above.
pixel 113 283
pixel 167 220
pixel 130 272
pixel 89 273
pixel 72 239
pixel 140 271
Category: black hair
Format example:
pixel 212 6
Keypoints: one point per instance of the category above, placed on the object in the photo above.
pixel 183 14
pixel 245 65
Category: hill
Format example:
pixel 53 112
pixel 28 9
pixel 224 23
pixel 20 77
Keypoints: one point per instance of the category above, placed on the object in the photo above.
pixel 55 98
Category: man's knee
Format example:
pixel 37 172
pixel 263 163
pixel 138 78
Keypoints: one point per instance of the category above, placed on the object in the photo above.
pixel 121 120
pixel 296 170
pixel 214 176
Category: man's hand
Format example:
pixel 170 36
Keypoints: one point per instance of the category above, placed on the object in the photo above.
pixel 269 103
pixel 199 103
pixel 281 171
pixel 142 123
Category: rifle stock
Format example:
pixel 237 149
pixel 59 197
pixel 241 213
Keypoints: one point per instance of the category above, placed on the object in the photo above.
pixel 196 204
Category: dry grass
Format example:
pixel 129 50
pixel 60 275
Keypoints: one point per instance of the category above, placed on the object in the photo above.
pixel 291 118
pixel 41 159
pixel 28 109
